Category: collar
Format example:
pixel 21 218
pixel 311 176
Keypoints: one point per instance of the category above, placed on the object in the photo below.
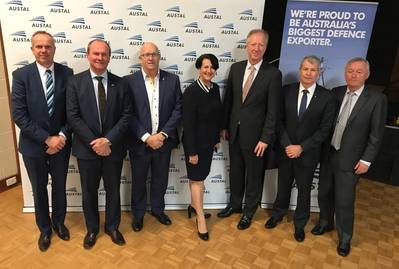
pixel 104 74
pixel 358 92
pixel 43 69
pixel 145 76
pixel 311 89
pixel 257 66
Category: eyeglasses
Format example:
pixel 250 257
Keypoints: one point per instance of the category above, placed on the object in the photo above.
pixel 148 55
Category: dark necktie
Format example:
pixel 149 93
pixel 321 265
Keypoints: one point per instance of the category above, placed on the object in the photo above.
pixel 102 99
pixel 304 101
pixel 49 92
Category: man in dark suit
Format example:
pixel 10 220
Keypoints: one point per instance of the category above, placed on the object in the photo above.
pixel 38 107
pixel 99 110
pixel 351 148
pixel 307 115
pixel 251 106
pixel 156 98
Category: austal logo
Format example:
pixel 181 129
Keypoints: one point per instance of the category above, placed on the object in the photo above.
pixel 222 84
pixel 174 12
pixel 211 14
pixel 156 26
pixel 173 168
pixel 119 54
pixel 209 43
pixel 118 25
pixel 65 63
pixel 226 58
pixel 73 191
pixel 174 69
pixel 171 190
pixel 72 169
pixel 17 5
pixel 183 179
pixel 125 180
pixel 80 24
pixel 228 29
pixel 60 38
pixel 39 22
pixel 192 28
pixel 98 9
pixel 22 63
pixel 217 179
pixel 190 56
pixel 137 10
pixel 98 36
pixel 58 7
pixel 247 15
pixel 20 36
pixel 219 156
pixel 185 84
pixel 80 53
pixel 242 44
pixel 134 68
pixel 174 42
pixel 136 40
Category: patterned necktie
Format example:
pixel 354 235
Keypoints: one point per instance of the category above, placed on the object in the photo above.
pixel 49 92
pixel 102 99
pixel 304 101
pixel 341 122
pixel 248 82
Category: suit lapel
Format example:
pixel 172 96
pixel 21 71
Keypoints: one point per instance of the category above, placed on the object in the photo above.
pixel 111 92
pixel 292 102
pixel 240 77
pixel 143 88
pixel 39 86
pixel 362 100
pixel 162 93
pixel 313 101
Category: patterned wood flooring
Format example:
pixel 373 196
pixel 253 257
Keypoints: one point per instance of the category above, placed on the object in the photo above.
pixel 375 244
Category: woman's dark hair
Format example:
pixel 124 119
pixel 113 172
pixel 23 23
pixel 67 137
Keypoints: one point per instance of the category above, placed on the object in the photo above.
pixel 210 57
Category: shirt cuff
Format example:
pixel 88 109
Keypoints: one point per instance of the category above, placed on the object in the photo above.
pixel 62 134
pixel 366 163
pixel 164 134
pixel 145 137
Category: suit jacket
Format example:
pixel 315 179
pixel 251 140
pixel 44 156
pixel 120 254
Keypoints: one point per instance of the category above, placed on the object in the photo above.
pixel 258 114
pixel 84 120
pixel 312 129
pixel 364 130
pixel 30 111
pixel 170 111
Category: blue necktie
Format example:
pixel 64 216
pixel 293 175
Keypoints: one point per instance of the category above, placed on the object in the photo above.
pixel 304 100
pixel 49 92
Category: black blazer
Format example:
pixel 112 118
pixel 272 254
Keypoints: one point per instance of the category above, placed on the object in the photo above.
pixel 170 111
pixel 84 120
pixel 201 118
pixel 312 129
pixel 364 130
pixel 258 114
pixel 30 112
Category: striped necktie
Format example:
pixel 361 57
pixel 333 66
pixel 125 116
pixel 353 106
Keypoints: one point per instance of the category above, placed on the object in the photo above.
pixel 49 92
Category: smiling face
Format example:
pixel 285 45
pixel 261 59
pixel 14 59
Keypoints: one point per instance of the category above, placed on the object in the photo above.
pixel 43 49
pixel 308 73
pixel 98 57
pixel 149 58
pixel 256 47
pixel 207 71
pixel 356 74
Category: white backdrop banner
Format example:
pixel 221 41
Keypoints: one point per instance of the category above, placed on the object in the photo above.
pixel 183 30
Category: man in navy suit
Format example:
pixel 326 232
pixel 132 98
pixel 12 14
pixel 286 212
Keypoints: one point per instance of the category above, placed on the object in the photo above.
pixel 98 110
pixel 350 149
pixel 156 99
pixel 306 119
pixel 38 107
pixel 251 106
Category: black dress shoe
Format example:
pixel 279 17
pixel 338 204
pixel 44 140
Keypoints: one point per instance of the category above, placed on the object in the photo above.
pixel 90 240
pixel 244 223
pixel 116 237
pixel 44 242
pixel 137 224
pixel 319 230
pixel 343 249
pixel 61 231
pixel 162 218
pixel 272 222
pixel 203 236
pixel 228 211
pixel 191 210
pixel 299 235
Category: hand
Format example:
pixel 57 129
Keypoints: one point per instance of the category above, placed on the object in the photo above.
pixel 101 146
pixel 224 134
pixel 260 149
pixel 293 151
pixel 54 144
pixel 193 159
pixel 361 168
pixel 155 141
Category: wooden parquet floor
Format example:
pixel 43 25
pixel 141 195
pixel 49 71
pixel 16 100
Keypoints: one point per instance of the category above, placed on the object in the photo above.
pixel 375 244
